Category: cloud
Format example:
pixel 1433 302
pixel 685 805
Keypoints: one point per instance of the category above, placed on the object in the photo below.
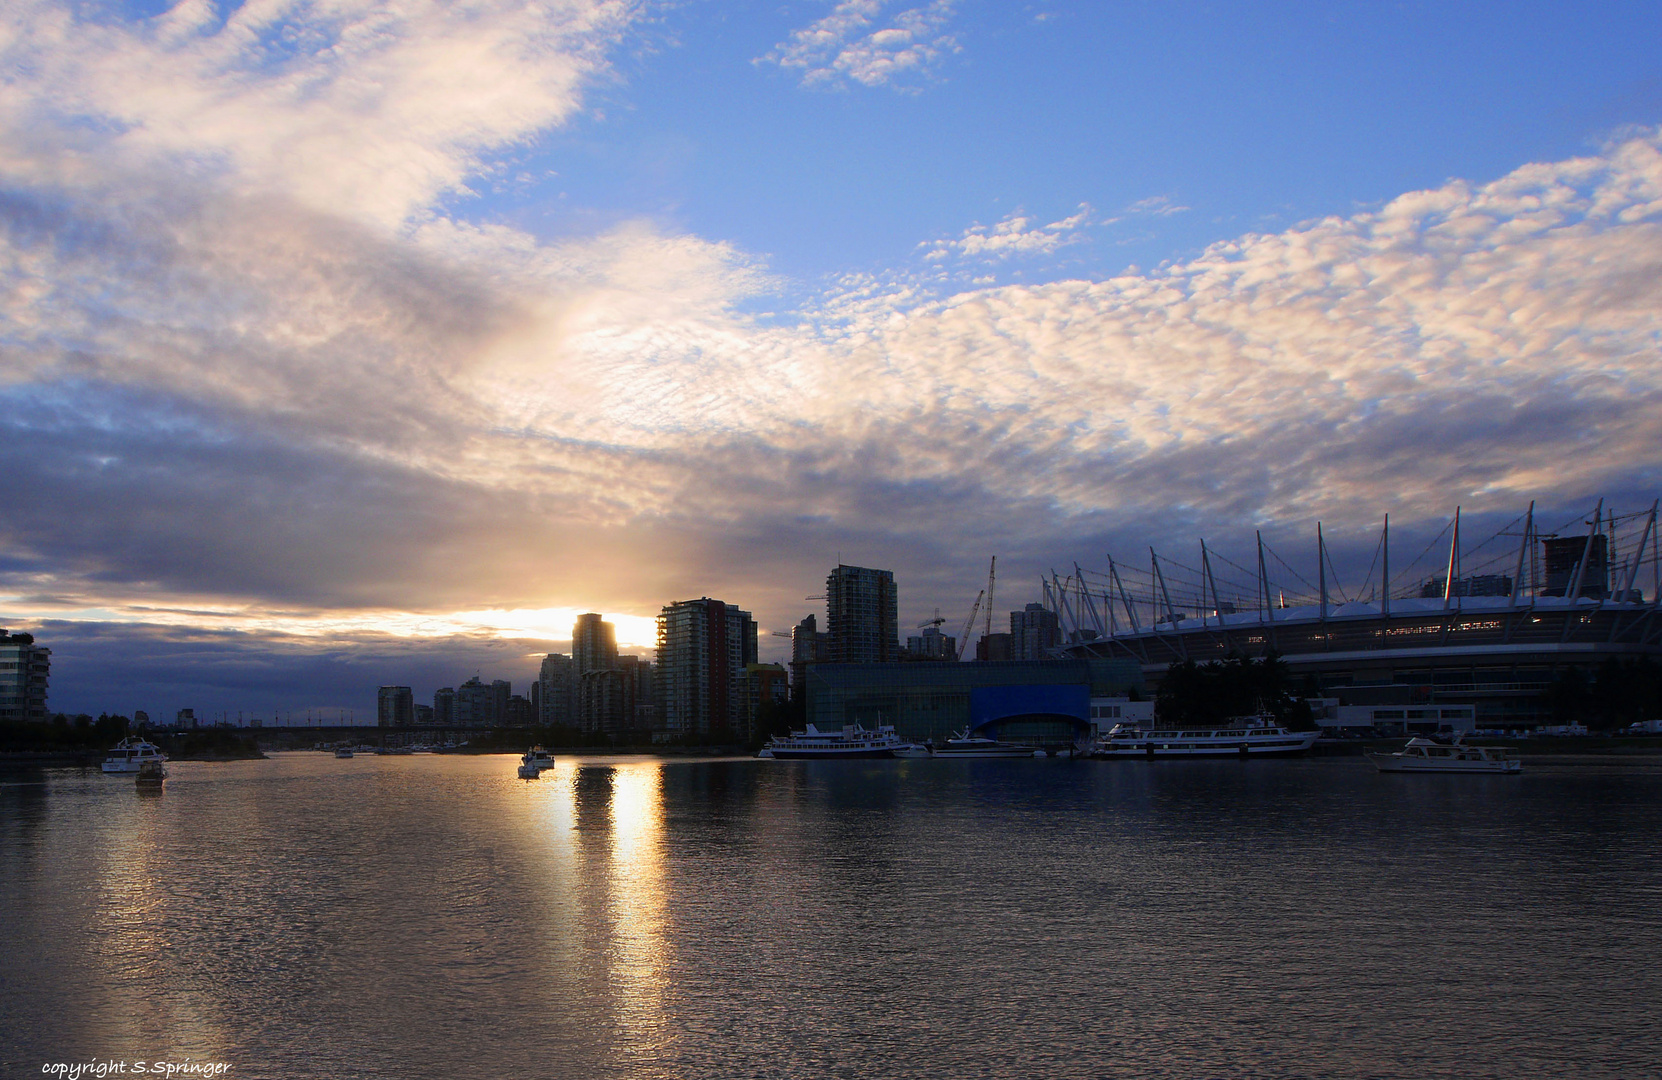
pixel 366 109
pixel 855 42
pixel 1014 235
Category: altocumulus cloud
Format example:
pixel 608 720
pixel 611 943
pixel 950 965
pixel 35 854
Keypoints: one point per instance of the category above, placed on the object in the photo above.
pixel 241 376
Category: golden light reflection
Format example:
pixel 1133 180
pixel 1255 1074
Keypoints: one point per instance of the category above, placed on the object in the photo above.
pixel 638 957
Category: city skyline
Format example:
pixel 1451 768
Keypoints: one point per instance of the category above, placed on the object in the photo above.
pixel 366 341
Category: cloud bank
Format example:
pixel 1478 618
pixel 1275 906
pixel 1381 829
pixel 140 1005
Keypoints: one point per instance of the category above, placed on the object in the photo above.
pixel 241 376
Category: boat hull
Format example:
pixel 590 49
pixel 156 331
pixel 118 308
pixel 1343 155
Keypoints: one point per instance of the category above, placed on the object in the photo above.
pixel 1280 746
pixel 999 752
pixel 828 755
pixel 1392 763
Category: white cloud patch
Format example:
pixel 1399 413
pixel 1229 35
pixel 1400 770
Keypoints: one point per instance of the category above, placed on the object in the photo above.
pixel 858 42
pixel 1014 235
pixel 354 107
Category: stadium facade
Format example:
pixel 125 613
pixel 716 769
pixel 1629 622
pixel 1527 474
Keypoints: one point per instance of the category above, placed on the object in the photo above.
pixel 1494 637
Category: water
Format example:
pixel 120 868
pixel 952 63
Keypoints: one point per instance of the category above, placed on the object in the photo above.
pixel 436 917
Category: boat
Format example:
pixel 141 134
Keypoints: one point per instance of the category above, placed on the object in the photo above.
pixel 964 746
pixel 910 750
pixel 1427 755
pixel 343 751
pixel 128 755
pixel 151 774
pixel 539 757
pixel 1246 736
pixel 853 741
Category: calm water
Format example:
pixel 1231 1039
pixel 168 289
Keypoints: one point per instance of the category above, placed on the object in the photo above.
pixel 434 916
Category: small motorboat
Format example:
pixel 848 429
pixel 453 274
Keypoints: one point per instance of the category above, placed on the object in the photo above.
pixel 131 755
pixel 1427 755
pixel 343 751
pixel 151 774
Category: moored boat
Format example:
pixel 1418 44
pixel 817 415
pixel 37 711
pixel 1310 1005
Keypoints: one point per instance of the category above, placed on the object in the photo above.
pixel 1425 755
pixel 963 745
pixel 343 751
pixel 129 755
pixel 151 774
pixel 853 741
pixel 1251 736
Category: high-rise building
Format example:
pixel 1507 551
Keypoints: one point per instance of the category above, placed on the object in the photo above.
pixel 700 683
pixel 476 704
pixel 1034 631
pixel 861 616
pixel 766 685
pixel 1566 555
pixel 556 690
pixel 808 646
pixel 593 644
pixel 444 705
pixel 642 704
pixel 24 670
pixel 394 707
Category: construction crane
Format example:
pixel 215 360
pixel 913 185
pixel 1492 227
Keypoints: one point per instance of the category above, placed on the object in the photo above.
pixel 935 622
pixel 991 566
pixel 969 623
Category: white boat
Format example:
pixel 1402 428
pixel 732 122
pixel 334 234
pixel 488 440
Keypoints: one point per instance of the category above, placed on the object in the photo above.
pixel 964 746
pixel 529 772
pixel 539 757
pixel 1424 755
pixel 853 741
pixel 1247 736
pixel 911 750
pixel 343 751
pixel 128 755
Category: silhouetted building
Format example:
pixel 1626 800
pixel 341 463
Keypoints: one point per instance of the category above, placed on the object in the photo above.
pixel 394 707
pixel 993 647
pixel 1564 554
pixel 24 671
pixel 932 645
pixel 766 684
pixel 808 646
pixel 593 644
pixel 1034 631
pixel 556 690
pixel 444 706
pixel 703 647
pixel 641 712
pixel 476 704
pixel 518 712
pixel 861 616
pixel 423 715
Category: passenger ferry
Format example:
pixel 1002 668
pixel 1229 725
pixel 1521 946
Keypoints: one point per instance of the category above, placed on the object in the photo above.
pixel 129 755
pixel 1424 755
pixel 853 741
pixel 1249 736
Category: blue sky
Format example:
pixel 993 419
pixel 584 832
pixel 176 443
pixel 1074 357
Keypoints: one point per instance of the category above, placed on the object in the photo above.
pixel 368 342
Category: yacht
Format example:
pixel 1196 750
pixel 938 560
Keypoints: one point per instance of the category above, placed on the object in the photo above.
pixel 1425 755
pixel 533 762
pixel 1247 736
pixel 964 746
pixel 853 741
pixel 128 755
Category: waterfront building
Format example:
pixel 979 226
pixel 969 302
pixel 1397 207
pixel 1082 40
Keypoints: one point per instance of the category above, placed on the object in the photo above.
pixel 1034 632
pixel 423 715
pixel 862 616
pixel 766 685
pixel 1396 649
pixel 185 718
pixel 1041 701
pixel 556 690
pixel 25 669
pixel 394 707
pixel 640 708
pixel 444 706
pixel 517 712
pixel 700 682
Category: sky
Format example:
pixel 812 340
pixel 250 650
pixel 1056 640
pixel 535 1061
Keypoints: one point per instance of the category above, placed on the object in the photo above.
pixel 346 344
